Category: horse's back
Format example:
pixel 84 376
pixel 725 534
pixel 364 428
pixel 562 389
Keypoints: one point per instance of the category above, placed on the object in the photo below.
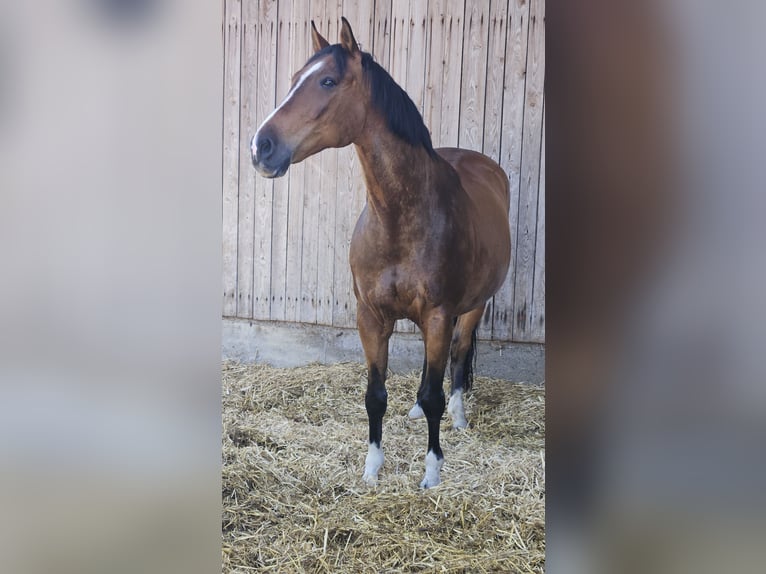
pixel 482 178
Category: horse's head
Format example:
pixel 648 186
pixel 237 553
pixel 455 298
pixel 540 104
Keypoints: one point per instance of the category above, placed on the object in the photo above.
pixel 324 107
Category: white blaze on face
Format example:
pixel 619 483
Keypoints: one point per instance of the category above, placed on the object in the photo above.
pixel 302 80
pixel 372 464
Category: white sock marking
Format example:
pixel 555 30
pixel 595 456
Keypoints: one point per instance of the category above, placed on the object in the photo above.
pixel 433 469
pixel 416 412
pixel 372 464
pixel 305 76
pixel 457 411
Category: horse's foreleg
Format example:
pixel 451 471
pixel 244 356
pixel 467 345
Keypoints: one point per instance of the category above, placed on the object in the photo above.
pixel 461 368
pixel 374 336
pixel 437 330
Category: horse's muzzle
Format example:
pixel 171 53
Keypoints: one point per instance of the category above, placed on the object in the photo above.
pixel 269 158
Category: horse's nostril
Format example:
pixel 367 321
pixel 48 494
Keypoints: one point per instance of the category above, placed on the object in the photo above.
pixel 265 146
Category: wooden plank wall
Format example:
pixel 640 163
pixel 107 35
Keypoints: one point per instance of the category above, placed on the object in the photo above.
pixel 476 70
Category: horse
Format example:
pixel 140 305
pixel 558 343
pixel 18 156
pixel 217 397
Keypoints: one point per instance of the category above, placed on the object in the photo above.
pixel 432 243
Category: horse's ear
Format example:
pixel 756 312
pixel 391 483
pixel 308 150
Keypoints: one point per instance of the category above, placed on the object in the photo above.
pixel 347 37
pixel 316 38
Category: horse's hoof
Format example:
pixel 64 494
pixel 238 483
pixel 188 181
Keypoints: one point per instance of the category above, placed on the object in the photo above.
pixel 372 464
pixel 426 484
pixel 457 411
pixel 370 479
pixel 433 471
pixel 416 412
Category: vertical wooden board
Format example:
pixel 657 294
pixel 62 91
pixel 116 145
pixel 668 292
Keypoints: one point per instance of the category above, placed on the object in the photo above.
pixel 452 59
pixel 280 202
pixel 344 196
pixel 247 125
pixel 349 187
pixel 530 174
pixel 312 190
pixel 493 100
pixel 361 16
pixel 474 76
pixel 364 15
pixel 329 161
pixel 398 65
pixel 537 316
pixel 472 91
pixel 299 53
pixel 416 59
pixel 517 29
pixel 493 110
pixel 264 188
pixel 434 72
pixel 381 38
pixel 232 29
pixel 413 72
pixel 310 247
pixel 381 33
pixel 350 194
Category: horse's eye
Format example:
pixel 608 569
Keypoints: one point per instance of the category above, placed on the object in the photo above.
pixel 328 83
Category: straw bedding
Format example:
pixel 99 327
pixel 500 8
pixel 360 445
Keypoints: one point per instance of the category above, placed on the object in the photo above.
pixel 294 442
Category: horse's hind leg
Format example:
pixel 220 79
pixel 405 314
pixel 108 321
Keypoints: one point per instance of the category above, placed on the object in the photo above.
pixel 437 330
pixel 461 364
pixel 416 411
pixel 461 367
pixel 374 336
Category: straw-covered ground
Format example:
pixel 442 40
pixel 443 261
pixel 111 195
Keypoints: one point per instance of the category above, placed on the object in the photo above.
pixel 294 442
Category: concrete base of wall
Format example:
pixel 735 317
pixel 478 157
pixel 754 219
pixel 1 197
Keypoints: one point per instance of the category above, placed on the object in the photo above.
pixel 293 345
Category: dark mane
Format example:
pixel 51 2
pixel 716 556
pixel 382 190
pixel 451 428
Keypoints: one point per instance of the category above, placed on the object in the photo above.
pixel 401 113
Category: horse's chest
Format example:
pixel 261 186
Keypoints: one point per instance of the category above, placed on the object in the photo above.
pixel 398 273
pixel 392 288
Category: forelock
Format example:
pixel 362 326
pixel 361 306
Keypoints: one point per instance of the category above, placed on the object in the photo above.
pixel 340 56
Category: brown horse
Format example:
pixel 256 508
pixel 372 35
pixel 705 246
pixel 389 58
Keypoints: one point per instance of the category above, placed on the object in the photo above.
pixel 432 243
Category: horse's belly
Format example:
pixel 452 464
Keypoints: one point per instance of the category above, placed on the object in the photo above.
pixel 486 185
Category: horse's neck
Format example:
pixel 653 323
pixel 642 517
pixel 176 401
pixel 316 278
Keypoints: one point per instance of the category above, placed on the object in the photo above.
pixel 398 176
